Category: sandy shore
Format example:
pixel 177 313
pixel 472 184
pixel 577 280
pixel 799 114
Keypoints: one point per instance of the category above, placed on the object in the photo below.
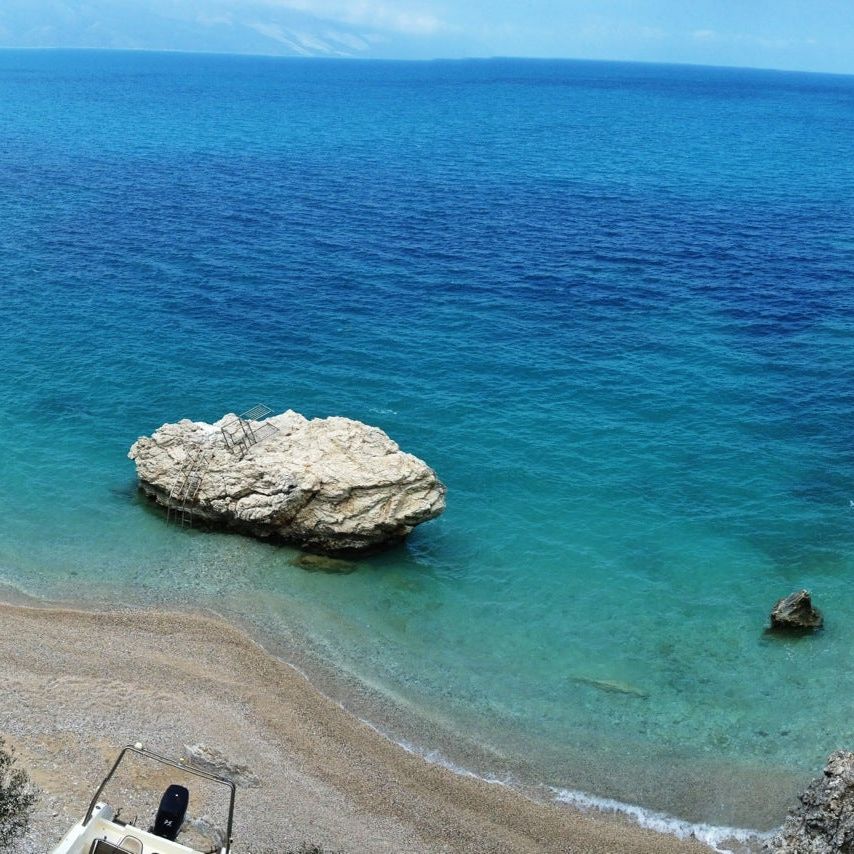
pixel 79 685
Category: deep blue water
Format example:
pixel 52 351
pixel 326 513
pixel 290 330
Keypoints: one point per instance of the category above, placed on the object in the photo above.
pixel 611 304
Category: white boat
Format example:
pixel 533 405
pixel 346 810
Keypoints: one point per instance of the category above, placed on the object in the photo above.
pixel 101 831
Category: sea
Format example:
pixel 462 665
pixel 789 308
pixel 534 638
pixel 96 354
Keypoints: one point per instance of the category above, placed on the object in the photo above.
pixel 611 304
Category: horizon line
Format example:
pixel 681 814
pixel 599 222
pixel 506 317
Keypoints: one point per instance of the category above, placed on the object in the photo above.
pixel 423 60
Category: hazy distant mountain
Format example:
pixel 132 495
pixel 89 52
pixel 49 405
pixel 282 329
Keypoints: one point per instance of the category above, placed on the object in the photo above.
pixel 806 34
pixel 281 27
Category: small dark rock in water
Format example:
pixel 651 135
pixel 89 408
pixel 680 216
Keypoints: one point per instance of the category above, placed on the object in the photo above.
pixel 823 823
pixel 796 612
pixel 319 563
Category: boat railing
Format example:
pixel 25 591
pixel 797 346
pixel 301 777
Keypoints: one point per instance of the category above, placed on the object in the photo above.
pixel 163 760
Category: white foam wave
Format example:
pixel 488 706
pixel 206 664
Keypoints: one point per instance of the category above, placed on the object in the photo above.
pixel 435 757
pixel 725 840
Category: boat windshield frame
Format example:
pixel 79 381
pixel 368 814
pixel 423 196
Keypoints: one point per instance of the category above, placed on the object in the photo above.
pixel 163 760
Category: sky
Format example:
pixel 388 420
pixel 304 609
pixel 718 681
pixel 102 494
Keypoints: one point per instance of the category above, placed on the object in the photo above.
pixel 811 35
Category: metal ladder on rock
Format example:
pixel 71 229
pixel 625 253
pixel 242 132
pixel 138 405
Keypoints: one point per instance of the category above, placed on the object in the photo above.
pixel 186 487
pixel 240 434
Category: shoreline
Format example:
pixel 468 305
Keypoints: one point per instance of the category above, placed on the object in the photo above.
pixel 80 684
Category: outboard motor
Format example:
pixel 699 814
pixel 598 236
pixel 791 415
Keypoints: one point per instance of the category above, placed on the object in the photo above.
pixel 170 816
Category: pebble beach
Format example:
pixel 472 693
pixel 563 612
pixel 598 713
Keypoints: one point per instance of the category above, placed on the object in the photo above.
pixel 79 685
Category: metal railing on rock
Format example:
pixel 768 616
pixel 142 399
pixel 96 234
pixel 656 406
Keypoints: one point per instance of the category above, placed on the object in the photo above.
pixel 239 434
pixel 248 429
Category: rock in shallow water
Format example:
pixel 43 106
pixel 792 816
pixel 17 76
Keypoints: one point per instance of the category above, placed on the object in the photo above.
pixel 329 485
pixel 796 612
pixel 611 686
pixel 321 563
pixel 823 823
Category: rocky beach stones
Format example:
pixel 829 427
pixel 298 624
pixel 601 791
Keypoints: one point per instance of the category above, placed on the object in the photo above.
pixel 329 485
pixel 796 612
pixel 212 761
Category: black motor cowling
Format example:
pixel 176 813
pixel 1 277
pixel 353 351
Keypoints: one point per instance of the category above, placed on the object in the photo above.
pixel 170 816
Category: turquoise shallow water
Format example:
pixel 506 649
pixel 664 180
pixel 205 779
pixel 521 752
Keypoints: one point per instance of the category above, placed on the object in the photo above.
pixel 610 304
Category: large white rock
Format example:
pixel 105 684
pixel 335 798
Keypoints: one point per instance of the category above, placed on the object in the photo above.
pixel 328 485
